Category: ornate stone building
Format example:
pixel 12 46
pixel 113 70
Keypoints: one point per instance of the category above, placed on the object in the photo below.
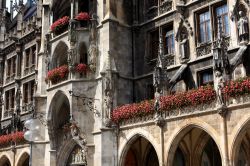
pixel 73 64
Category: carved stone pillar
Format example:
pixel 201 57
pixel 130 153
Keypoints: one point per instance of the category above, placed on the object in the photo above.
pixel 1 69
pixel 18 59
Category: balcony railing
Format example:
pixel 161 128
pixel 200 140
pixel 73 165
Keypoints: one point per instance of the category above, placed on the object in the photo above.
pixel 29 70
pixel 166 6
pixel 204 49
pixel 27 107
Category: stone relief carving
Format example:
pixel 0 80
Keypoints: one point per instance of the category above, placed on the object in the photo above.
pixel 108 101
pixel 242 25
pixel 184 47
pixel 218 86
pixel 80 140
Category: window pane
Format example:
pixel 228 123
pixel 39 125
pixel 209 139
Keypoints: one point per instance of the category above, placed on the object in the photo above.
pixel 208 33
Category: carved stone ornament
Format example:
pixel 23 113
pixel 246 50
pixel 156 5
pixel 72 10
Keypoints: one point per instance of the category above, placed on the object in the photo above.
pixel 218 86
pixel 93 49
pixel 108 101
pixel 243 29
pixel 80 140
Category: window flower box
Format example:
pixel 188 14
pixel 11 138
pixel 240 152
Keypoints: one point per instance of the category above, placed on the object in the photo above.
pixel 181 101
pixel 57 74
pixel 60 25
pixel 83 18
pixel 17 137
pixel 81 68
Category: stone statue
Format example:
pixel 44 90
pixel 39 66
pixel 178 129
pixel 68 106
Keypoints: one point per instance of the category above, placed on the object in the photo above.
pixel 183 46
pixel 18 98
pixel 218 86
pixel 80 140
pixel 157 103
pixel 108 99
pixel 93 50
pixel 243 27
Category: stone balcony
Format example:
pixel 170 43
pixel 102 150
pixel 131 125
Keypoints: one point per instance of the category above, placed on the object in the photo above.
pixel 191 111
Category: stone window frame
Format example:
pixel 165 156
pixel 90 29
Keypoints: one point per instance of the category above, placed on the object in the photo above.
pixel 211 9
pixel 199 75
pixel 165 28
pixel 29 59
pixel 10 69
pixel 9 103
pixel 28 92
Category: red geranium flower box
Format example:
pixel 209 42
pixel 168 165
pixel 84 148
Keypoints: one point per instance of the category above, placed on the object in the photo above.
pixel 16 137
pixel 60 24
pixel 82 16
pixel 81 68
pixel 202 95
pixel 58 74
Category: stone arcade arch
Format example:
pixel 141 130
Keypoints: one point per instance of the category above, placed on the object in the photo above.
pixel 241 144
pixel 58 118
pixel 5 161
pixel 193 146
pixel 23 160
pixel 60 55
pixel 139 151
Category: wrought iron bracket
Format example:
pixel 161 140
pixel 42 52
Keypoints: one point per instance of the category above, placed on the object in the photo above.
pixel 87 101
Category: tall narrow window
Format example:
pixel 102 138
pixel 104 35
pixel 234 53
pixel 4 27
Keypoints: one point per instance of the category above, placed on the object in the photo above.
pixel 33 58
pixel 27 59
pixel 204 27
pixel 154 44
pixel 25 93
pixel 169 47
pixel 14 65
pixel 7 95
pixel 32 86
pixel 222 13
pixel 9 67
pixel 12 98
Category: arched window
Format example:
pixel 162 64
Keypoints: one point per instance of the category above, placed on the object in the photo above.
pixel 83 56
pixel 60 55
pixel 60 8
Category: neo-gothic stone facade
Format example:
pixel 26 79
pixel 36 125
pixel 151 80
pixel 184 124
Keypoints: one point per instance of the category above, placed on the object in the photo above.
pixel 134 50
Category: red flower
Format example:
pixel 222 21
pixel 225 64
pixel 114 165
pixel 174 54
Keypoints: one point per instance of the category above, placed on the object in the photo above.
pixel 81 68
pixel 83 16
pixel 60 23
pixel 57 74
pixel 14 137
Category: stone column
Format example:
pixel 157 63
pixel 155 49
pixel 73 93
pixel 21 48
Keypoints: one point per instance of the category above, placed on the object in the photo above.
pixel 224 145
pixel 18 59
pixel 43 52
pixel 1 69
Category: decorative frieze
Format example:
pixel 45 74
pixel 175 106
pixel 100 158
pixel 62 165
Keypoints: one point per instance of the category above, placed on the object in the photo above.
pixel 166 6
pixel 204 49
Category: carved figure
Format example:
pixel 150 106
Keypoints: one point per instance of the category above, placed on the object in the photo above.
pixel 93 50
pixel 108 98
pixel 157 100
pixel 243 27
pixel 18 97
pixel 81 141
pixel 218 85
pixel 184 46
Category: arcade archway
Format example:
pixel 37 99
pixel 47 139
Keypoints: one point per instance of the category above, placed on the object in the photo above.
pixel 194 147
pixel 140 153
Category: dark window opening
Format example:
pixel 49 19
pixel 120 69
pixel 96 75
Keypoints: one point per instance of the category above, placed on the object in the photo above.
pixel 154 44
pixel 205 77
